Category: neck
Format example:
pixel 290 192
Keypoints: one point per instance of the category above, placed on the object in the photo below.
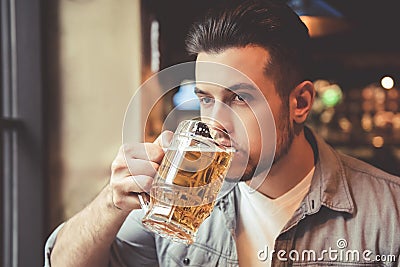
pixel 290 169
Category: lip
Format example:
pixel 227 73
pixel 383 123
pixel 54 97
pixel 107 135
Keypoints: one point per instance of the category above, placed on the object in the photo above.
pixel 238 148
pixel 232 144
pixel 234 148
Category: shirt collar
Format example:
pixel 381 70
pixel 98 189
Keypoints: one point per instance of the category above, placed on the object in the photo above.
pixel 329 186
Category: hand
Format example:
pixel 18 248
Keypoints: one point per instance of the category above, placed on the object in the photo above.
pixel 133 169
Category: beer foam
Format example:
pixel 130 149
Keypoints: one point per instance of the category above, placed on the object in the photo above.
pixel 201 149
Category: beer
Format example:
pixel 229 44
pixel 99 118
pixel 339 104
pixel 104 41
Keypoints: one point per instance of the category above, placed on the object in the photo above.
pixel 185 189
pixel 188 180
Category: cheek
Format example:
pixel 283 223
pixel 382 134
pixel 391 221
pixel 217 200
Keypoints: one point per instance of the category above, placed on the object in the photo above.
pixel 205 112
pixel 263 130
pixel 247 129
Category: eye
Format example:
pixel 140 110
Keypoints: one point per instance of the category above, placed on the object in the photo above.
pixel 205 100
pixel 238 98
pixel 242 98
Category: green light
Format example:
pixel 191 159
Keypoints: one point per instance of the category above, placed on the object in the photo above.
pixel 331 96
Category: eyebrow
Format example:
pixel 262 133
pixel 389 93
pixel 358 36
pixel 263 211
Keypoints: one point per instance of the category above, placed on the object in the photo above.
pixel 231 88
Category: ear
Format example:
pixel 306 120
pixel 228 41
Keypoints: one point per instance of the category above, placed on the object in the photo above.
pixel 301 101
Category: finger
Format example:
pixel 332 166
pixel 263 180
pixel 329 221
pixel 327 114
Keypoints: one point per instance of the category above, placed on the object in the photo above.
pixel 128 184
pixel 142 167
pixel 146 151
pixel 141 183
pixel 164 139
pixel 128 201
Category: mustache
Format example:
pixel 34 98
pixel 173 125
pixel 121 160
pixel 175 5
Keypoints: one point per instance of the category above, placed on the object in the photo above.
pixel 239 147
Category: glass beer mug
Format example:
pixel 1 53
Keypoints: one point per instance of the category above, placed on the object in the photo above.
pixel 188 181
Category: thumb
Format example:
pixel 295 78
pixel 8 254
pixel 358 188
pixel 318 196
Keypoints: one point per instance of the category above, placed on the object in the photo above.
pixel 164 139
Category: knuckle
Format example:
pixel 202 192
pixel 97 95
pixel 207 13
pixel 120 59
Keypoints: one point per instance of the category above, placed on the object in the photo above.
pixel 114 186
pixel 154 152
pixel 166 137
pixel 124 148
pixel 118 164
pixel 122 151
pixel 155 166
pixel 128 148
pixel 148 184
pixel 118 201
pixel 114 165
pixel 117 186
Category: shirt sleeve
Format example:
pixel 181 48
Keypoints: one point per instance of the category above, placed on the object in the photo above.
pixel 49 245
pixel 133 245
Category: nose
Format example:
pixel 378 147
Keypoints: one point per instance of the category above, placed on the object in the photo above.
pixel 221 116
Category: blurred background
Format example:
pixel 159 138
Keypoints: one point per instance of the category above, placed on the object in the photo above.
pixel 70 67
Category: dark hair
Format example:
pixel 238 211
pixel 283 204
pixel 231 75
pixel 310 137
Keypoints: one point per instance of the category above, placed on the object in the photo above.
pixel 269 24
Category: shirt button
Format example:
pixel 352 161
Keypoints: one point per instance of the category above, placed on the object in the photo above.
pixel 186 261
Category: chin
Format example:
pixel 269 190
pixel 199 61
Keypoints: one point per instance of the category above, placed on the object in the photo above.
pixel 236 174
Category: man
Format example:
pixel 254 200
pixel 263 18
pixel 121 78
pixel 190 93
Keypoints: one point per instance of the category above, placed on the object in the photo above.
pixel 314 207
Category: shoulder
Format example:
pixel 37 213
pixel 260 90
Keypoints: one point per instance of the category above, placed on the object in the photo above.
pixel 373 191
pixel 363 171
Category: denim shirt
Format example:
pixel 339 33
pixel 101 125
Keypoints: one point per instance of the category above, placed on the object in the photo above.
pixel 350 217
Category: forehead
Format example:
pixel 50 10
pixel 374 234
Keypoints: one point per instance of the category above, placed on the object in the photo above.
pixel 235 66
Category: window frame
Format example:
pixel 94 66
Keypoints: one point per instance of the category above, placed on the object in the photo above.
pixel 21 127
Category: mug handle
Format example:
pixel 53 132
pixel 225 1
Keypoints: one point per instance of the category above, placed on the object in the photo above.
pixel 144 204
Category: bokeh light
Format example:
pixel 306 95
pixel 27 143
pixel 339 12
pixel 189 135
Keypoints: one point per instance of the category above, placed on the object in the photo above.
pixel 378 141
pixel 387 82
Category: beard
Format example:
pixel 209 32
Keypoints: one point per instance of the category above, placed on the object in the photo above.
pixel 286 133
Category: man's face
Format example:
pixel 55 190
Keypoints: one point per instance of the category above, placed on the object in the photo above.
pixel 242 111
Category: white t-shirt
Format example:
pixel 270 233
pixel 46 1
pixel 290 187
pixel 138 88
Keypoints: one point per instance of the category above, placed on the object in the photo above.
pixel 261 219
